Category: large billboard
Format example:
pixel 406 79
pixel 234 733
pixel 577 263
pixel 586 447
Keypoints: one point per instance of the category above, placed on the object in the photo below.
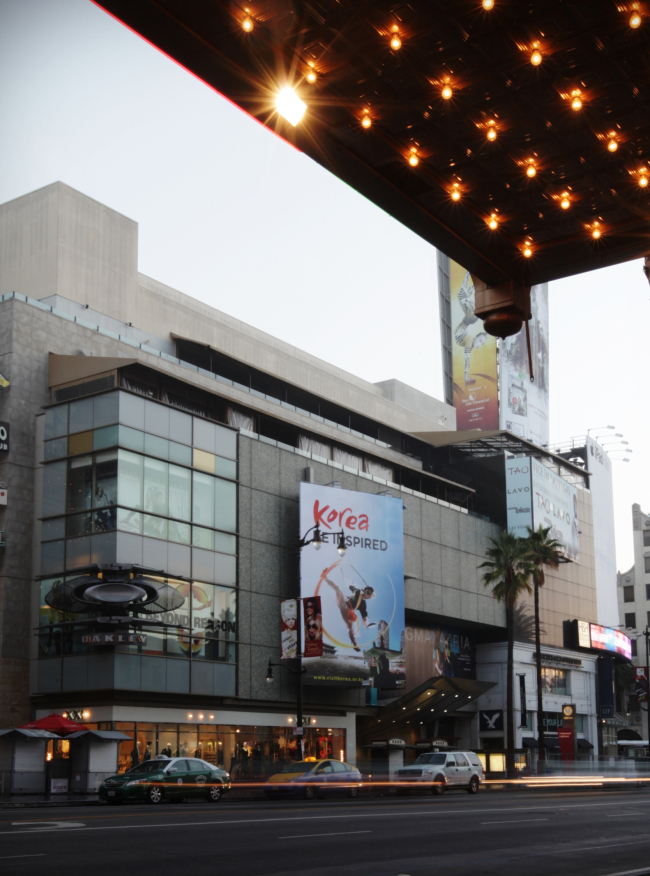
pixel 435 651
pixel 361 594
pixel 523 406
pixel 602 497
pixel 537 496
pixel 607 639
pixel 474 358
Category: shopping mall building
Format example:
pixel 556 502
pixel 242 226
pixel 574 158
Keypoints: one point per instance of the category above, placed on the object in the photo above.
pixel 148 430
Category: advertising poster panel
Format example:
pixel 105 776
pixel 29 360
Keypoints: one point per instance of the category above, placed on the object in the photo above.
pixel 474 358
pixel 602 495
pixel 523 408
pixel 641 681
pixel 313 621
pixel 361 594
pixel 519 495
pixel 606 639
pixel 289 629
pixel 435 651
pixel 555 504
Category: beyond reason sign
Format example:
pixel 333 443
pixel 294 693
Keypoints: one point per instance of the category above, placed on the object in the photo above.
pixel 537 496
pixel 361 594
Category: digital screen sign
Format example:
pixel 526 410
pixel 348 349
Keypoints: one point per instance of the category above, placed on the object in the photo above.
pixel 607 639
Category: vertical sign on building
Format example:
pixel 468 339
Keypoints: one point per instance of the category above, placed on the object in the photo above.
pixel 519 495
pixel 313 626
pixel 522 701
pixel 4 437
pixel 600 484
pixel 289 629
pixel 474 358
pixel 523 406
pixel 361 594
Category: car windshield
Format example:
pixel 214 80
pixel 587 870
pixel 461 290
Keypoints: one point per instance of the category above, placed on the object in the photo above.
pixel 435 759
pixel 149 766
pixel 299 767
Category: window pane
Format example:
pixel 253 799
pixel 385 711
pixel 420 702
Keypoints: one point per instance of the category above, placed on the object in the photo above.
pixel 647 592
pixel 203 538
pixel 55 449
pixel 180 453
pixel 204 434
pixel 54 487
pixel 156 446
pixel 155 486
pixel 180 426
pixel 226 442
pixel 130 479
pixel 213 622
pixel 203 460
pixel 646 534
pixel 105 410
pixel 52 529
pixel 77 552
pixel 154 527
pixel 77 524
pixel 180 492
pixel 52 557
pixel 179 532
pixel 647 563
pixel 82 442
pixel 226 544
pixel 628 594
pixel 225 467
pixel 106 437
pixel 156 419
pixel 580 723
pixel 80 483
pixel 81 415
pixel 129 521
pixel 630 619
pixel 105 479
pixel 131 438
pixel 131 410
pixel 104 520
pixel 56 421
pixel 225 516
pixel 203 500
pixel 102 548
pixel 560 681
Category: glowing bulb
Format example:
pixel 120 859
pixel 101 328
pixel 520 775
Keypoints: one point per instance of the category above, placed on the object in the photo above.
pixel 613 144
pixel 493 223
pixel 576 103
pixel 565 203
pixel 531 170
pixel 311 76
pixel 492 133
pixel 395 41
pixel 447 92
pixel 366 121
pixel 596 232
pixel 635 20
pixel 247 24
pixel 488 4
pixel 413 158
pixel 536 58
pixel 289 105
pixel 455 195
pixel 527 251
pixel 643 180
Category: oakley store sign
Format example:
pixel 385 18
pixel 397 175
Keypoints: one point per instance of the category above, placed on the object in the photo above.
pixel 4 437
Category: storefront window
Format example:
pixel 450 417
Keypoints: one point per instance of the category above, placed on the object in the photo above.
pixel 126 748
pixel 167 739
pixel 145 743
pixel 214 625
pixel 188 738
pixel 80 483
pixel 554 681
pixel 208 743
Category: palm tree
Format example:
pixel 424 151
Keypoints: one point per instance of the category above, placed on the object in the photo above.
pixel 542 551
pixel 508 570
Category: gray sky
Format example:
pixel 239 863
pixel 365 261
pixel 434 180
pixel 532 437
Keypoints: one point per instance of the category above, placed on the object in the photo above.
pixel 230 214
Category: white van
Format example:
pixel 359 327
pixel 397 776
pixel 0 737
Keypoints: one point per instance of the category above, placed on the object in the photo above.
pixel 440 771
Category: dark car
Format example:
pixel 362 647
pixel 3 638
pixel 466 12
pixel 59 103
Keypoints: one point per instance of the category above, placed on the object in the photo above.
pixel 167 778
pixel 309 778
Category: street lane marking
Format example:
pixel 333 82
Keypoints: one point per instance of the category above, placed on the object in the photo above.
pixel 338 833
pixel 514 821
pixel 623 814
pixel 642 872
pixel 38 855
pixel 47 825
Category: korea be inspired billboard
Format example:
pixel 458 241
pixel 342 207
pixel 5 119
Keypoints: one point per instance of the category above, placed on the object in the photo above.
pixel 361 594
pixel 537 496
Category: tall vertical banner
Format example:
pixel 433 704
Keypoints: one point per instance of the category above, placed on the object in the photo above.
pixel 474 358
pixel 289 629
pixel 600 484
pixel 523 406
pixel 313 626
pixel 537 496
pixel 360 595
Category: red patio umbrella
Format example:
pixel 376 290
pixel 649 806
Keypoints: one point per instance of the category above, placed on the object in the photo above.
pixel 55 723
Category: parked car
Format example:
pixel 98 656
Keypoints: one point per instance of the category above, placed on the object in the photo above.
pixel 440 771
pixel 309 779
pixel 165 778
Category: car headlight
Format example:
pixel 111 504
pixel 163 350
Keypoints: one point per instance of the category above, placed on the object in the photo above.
pixel 137 782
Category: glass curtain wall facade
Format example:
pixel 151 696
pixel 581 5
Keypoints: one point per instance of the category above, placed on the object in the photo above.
pixel 119 464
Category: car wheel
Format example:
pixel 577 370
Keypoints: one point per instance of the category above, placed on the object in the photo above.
pixel 472 788
pixel 353 792
pixel 214 794
pixel 438 786
pixel 309 793
pixel 155 794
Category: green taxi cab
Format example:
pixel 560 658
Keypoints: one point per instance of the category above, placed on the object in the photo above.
pixel 167 778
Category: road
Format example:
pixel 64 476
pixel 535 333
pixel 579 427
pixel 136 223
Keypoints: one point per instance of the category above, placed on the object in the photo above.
pixel 577 833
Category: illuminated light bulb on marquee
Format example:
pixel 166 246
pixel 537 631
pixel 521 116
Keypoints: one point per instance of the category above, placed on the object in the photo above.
pixel 576 103
pixel 488 4
pixel 596 232
pixel 492 133
pixel 643 179
pixel 536 58
pixel 366 121
pixel 455 194
pixel 527 251
pixel 531 170
pixel 565 203
pixel 395 41
pixel 612 145
pixel 447 92
pixel 493 222
pixel 311 76
pixel 247 24
pixel 635 20
pixel 413 158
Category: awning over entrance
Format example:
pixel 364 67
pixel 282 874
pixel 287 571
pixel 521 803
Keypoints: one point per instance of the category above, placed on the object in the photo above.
pixel 422 705
pixel 585 744
pixel 530 742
